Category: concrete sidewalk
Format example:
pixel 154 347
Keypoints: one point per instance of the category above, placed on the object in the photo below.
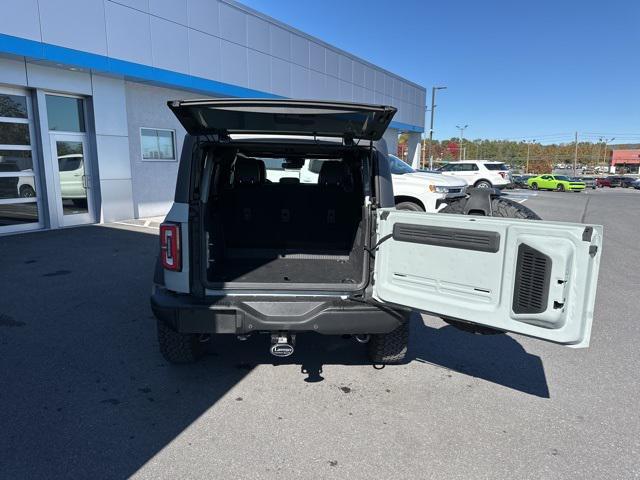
pixel 149 222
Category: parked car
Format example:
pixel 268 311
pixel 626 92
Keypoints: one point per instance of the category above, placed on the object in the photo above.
pixel 240 255
pixel 625 182
pixel 589 182
pixel 560 183
pixel 610 182
pixel 636 184
pixel 520 181
pixel 71 176
pixel 479 173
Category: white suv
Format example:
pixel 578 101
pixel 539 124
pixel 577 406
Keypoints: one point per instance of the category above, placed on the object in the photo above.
pixel 479 173
pixel 412 190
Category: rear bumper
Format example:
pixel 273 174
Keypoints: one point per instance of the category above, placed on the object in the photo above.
pixel 243 315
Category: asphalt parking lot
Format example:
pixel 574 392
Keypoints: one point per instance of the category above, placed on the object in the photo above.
pixel 85 394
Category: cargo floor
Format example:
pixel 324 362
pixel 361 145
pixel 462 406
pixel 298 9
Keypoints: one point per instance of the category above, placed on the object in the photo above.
pixel 288 269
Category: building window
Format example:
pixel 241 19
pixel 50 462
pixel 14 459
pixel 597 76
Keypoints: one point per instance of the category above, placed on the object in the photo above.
pixel 158 144
pixel 65 114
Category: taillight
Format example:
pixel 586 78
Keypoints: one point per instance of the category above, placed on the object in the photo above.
pixel 170 246
pixel 503 174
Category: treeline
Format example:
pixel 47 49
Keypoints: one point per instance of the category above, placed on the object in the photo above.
pixel 515 152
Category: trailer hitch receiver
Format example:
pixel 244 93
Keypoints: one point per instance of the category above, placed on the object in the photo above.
pixel 282 344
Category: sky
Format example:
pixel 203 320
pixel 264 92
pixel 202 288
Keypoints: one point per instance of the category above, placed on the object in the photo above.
pixel 535 70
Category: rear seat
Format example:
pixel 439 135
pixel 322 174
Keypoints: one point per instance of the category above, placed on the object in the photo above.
pixel 246 215
pixel 288 214
pixel 335 206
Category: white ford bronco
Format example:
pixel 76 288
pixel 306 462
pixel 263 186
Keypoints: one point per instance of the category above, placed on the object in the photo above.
pixel 242 254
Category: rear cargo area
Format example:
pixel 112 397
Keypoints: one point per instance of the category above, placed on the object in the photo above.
pixel 262 231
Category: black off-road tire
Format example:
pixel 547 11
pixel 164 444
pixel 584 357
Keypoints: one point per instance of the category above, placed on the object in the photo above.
pixel 414 207
pixel 501 207
pixel 390 348
pixel 179 347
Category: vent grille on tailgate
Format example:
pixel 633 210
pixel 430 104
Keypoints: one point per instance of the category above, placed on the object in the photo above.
pixel 461 238
pixel 531 290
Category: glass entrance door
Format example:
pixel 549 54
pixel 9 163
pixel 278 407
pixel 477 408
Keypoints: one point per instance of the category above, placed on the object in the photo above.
pixel 19 185
pixel 73 179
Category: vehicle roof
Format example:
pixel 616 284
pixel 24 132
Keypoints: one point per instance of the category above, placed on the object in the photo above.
pixel 478 161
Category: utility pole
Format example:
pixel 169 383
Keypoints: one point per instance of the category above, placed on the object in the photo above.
pixel 433 107
pixel 526 168
pixel 575 157
pixel 461 137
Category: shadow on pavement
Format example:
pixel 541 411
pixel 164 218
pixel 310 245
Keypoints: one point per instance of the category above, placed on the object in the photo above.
pixel 495 358
pixel 85 392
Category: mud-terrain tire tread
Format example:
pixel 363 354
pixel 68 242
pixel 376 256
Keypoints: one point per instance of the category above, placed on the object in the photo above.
pixel 501 207
pixel 178 347
pixel 390 348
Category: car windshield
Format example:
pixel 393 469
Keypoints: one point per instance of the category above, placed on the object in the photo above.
pixel 398 167
pixel 496 166
pixel 562 177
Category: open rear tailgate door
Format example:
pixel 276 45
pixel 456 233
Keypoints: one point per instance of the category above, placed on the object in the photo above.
pixel 283 117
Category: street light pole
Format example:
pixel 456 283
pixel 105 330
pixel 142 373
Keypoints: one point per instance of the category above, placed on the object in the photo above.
pixel 604 153
pixel 575 157
pixel 461 137
pixel 433 107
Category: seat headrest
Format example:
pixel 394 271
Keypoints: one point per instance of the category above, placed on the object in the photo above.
pixel 247 171
pixel 333 173
pixel 289 180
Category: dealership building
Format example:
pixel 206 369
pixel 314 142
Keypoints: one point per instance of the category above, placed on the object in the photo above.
pixel 85 132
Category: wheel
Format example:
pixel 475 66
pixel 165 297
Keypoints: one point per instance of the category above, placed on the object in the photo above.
pixel 179 347
pixel 483 184
pixel 501 207
pixel 390 348
pixel 27 191
pixel 534 186
pixel 409 206
pixel 560 187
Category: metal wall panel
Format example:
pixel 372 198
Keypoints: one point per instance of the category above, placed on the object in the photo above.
pixel 233 24
pixel 174 10
pixel 204 55
pixel 209 45
pixel 258 36
pixel 128 33
pixel 234 63
pixel 20 19
pixel 204 15
pixel 169 45
pixel 77 24
pixel 259 70
pixel 300 50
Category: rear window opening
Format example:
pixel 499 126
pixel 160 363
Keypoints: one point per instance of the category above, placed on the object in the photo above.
pixel 496 166
pixel 272 219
